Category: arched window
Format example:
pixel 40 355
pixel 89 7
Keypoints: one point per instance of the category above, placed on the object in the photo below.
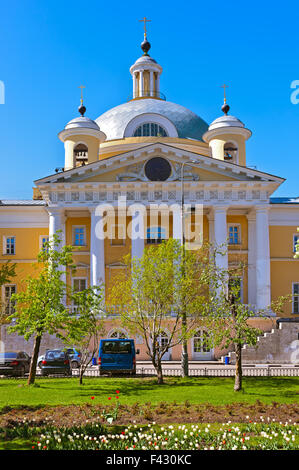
pixel 150 129
pixel 80 154
pixel 119 334
pixel 231 152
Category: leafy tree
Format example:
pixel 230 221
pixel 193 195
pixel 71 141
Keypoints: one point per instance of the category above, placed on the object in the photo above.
pixel 297 247
pixel 87 326
pixel 154 295
pixel 41 308
pixel 229 319
pixel 7 272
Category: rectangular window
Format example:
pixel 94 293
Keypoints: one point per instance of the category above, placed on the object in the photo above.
pixel 295 241
pixel 42 242
pixel 10 246
pixel 235 286
pixel 79 284
pixel 79 236
pixel 295 297
pixel 9 305
pixel 155 235
pixel 234 235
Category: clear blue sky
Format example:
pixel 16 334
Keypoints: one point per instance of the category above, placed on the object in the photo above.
pixel 47 49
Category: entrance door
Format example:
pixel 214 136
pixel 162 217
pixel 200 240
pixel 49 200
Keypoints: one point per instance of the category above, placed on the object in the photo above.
pixel 200 347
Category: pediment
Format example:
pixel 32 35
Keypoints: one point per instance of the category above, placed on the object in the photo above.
pixel 129 167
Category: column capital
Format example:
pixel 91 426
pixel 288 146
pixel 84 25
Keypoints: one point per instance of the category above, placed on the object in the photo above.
pixel 262 208
pixel 220 208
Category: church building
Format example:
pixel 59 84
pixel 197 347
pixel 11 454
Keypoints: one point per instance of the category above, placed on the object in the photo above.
pixel 150 152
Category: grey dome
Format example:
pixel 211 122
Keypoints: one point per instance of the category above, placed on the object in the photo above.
pixel 115 121
pixel 82 122
pixel 226 121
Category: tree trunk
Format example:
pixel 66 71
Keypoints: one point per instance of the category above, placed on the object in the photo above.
pixel 184 359
pixel 81 372
pixel 159 373
pixel 238 376
pixel 33 364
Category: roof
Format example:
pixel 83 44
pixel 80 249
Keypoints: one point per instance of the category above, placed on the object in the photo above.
pixel 284 200
pixel 188 125
pixel 22 202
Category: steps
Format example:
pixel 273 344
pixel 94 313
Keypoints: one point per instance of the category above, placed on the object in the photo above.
pixel 279 346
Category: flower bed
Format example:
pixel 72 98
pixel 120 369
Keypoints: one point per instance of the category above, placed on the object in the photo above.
pixel 246 436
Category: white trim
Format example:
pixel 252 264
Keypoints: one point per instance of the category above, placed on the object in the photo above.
pixel 208 356
pixel 122 330
pixel 4 251
pixel 3 292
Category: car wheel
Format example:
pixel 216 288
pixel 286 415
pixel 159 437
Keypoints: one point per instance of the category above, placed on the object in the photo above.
pixel 74 364
pixel 39 364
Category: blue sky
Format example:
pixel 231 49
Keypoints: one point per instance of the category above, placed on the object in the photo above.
pixel 48 49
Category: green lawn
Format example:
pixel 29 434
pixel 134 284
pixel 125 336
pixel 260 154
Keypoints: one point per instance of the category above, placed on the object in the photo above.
pixel 216 391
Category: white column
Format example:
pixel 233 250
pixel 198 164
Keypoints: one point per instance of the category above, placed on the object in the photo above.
pixel 97 252
pixel 251 270
pixel 151 83
pixel 220 236
pixel 137 233
pixel 134 85
pixel 141 83
pixel 57 222
pixel 158 84
pixel 263 287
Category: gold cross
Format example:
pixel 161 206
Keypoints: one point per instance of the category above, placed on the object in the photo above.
pixel 224 86
pixel 81 86
pixel 144 20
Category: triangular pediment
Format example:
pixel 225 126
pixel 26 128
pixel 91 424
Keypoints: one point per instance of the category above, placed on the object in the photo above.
pixel 130 167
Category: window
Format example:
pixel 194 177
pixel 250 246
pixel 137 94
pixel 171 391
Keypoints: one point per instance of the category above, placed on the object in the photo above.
pixel 155 235
pixel 295 297
pixel 42 242
pixel 79 236
pixel 79 284
pixel 81 154
pixel 9 305
pixel 150 129
pixel 231 152
pixel 295 241
pixel 118 334
pixel 234 237
pixel 10 246
pixel 201 342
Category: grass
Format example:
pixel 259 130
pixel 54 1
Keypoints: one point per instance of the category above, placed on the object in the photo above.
pixel 216 390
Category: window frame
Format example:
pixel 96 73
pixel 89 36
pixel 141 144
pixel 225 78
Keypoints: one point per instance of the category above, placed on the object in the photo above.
pixel 74 228
pixel 155 241
pixel 41 237
pixel 150 124
pixel 5 246
pixel 4 298
pixel 295 235
pixel 231 225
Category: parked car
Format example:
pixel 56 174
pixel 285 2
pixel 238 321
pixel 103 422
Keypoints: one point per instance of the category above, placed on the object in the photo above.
pixel 56 361
pixel 117 356
pixel 74 355
pixel 14 363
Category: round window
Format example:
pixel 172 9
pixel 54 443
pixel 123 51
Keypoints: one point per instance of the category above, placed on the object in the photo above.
pixel 157 169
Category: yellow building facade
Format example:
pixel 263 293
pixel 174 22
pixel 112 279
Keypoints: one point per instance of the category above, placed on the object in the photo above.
pixel 135 161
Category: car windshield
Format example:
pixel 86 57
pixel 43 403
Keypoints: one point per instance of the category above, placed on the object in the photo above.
pixel 116 347
pixel 8 355
pixel 55 355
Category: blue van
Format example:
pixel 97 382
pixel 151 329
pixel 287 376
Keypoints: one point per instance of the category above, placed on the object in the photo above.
pixel 117 356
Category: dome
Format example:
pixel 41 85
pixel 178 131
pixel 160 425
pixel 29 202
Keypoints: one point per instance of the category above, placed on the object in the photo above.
pixel 82 122
pixel 187 123
pixel 226 121
pixel 145 59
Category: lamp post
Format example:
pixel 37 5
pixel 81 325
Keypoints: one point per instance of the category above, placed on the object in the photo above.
pixel 184 356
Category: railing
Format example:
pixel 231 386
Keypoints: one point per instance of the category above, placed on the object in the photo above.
pixel 149 94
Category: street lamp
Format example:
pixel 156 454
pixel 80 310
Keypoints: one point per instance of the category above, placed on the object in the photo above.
pixel 184 356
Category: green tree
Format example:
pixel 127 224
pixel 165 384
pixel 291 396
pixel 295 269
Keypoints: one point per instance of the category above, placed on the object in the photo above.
pixel 87 326
pixel 296 256
pixel 229 320
pixel 7 273
pixel 41 307
pixel 157 291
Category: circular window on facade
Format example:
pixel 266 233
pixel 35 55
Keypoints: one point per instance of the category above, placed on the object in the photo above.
pixel 157 169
